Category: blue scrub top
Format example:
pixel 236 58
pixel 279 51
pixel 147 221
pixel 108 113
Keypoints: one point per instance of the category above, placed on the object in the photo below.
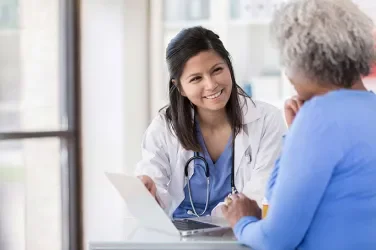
pixel 220 181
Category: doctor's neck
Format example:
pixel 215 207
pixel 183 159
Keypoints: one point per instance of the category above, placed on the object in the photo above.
pixel 212 120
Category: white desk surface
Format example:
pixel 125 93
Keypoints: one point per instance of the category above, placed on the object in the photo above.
pixel 137 237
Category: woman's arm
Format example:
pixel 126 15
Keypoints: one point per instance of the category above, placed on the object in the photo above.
pixel 155 160
pixel 306 166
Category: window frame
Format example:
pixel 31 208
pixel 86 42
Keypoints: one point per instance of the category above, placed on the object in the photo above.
pixel 70 134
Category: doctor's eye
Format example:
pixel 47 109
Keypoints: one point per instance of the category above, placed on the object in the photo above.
pixel 195 79
pixel 217 70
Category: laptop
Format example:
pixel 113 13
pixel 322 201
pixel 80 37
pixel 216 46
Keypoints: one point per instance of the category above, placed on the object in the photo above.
pixel 142 205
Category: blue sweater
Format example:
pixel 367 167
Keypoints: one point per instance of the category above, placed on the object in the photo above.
pixel 322 194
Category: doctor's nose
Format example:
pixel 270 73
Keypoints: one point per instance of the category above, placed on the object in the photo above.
pixel 210 84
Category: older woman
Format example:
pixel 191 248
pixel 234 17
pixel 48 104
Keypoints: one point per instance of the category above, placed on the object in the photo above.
pixel 322 194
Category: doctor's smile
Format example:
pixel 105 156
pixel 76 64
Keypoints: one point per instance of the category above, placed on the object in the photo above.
pixel 214 96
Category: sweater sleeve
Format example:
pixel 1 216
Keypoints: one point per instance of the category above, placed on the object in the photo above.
pixel 305 169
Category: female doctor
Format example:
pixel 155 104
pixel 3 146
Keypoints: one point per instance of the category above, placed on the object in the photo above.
pixel 212 139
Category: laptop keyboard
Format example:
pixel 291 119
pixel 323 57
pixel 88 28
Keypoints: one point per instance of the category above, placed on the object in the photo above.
pixel 185 225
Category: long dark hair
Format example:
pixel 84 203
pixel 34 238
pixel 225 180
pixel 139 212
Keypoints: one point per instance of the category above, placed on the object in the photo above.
pixel 186 44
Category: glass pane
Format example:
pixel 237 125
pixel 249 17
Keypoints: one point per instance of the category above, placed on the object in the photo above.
pixel 252 9
pixel 30 195
pixel 29 65
pixel 180 10
pixel 8 14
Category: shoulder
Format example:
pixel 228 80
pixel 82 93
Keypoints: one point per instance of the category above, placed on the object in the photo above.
pixel 264 119
pixel 158 122
pixel 267 110
pixel 264 114
pixel 321 108
pixel 320 114
pixel 338 103
pixel 159 127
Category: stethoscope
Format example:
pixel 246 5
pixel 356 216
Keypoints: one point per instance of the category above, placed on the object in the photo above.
pixel 207 175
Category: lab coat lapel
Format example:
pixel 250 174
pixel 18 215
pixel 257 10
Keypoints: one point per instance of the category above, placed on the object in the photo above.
pixel 242 141
pixel 241 145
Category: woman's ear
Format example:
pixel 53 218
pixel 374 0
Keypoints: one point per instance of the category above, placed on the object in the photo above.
pixel 181 91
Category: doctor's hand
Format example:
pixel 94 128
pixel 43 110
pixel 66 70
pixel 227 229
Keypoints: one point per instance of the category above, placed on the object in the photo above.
pixel 240 206
pixel 150 185
pixel 291 108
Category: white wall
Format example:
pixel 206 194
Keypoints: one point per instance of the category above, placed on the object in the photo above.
pixel 158 91
pixel 114 106
pixel 137 87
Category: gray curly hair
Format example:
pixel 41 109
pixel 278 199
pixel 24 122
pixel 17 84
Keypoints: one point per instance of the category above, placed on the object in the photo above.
pixel 329 40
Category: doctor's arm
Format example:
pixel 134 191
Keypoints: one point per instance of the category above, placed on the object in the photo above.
pixel 269 151
pixel 305 171
pixel 155 161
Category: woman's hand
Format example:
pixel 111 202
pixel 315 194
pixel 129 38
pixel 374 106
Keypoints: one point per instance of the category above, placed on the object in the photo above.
pixel 150 186
pixel 292 107
pixel 240 206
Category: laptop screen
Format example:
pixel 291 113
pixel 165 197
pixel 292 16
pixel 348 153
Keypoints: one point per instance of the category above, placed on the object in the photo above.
pixel 141 204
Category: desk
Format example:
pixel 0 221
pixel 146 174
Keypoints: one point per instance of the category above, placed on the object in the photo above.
pixel 141 238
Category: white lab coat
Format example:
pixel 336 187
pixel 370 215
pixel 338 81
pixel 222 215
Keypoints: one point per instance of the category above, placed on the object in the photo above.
pixel 164 158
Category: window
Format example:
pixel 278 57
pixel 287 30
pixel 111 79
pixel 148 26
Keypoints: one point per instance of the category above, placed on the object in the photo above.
pixel 39 185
